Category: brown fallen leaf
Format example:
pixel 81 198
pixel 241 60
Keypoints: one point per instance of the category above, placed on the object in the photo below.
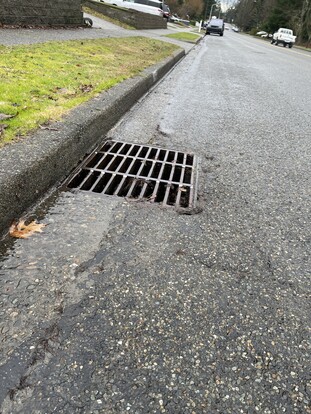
pixel 21 230
pixel 5 116
pixel 2 128
pixel 86 88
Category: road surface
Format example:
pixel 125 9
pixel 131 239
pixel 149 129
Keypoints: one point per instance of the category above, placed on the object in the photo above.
pixel 123 306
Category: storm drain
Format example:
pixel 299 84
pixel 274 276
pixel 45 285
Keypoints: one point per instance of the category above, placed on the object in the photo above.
pixel 140 172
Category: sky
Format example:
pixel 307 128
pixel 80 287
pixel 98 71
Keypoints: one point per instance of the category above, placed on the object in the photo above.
pixel 227 3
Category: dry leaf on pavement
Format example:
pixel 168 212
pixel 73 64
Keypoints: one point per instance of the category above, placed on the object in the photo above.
pixel 21 230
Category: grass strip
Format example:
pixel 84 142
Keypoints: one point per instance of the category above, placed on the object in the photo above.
pixel 184 36
pixel 42 82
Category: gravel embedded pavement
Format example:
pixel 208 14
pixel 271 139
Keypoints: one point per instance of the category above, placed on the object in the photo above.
pixel 126 307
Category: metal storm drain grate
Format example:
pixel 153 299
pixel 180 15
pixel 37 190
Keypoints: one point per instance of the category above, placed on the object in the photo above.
pixel 141 172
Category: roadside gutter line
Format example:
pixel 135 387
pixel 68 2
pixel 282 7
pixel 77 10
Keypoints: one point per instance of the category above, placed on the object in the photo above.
pixel 29 168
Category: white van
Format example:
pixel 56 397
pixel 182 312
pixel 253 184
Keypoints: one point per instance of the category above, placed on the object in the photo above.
pixel 145 6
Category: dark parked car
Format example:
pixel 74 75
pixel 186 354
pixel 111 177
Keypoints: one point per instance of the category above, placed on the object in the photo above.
pixel 166 11
pixel 215 26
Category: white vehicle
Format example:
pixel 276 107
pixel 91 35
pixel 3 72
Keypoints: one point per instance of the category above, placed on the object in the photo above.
pixel 145 6
pixel 283 36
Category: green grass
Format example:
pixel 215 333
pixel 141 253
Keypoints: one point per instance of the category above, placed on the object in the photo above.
pixel 184 36
pixel 42 82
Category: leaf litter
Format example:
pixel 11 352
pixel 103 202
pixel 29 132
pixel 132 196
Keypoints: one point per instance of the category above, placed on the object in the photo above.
pixel 5 116
pixel 21 230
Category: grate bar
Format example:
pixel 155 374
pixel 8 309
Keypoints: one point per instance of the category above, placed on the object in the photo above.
pixel 152 197
pixel 143 178
pixel 96 181
pixel 138 171
pixel 181 188
pixel 138 174
pixel 115 171
pixel 144 187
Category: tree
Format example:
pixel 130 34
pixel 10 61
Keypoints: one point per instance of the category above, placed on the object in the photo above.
pixel 245 14
pixel 192 8
pixel 270 15
pixel 208 5
pixel 305 29
pixel 195 9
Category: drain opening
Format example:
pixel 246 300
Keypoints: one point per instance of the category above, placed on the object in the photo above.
pixel 141 172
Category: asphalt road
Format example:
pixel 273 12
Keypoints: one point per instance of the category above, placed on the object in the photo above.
pixel 129 307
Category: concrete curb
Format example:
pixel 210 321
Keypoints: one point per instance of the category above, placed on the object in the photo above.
pixel 29 168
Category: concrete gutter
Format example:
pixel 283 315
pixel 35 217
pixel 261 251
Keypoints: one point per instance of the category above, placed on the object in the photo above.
pixel 29 168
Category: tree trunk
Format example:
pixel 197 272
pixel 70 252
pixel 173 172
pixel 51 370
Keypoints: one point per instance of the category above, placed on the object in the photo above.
pixel 305 31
